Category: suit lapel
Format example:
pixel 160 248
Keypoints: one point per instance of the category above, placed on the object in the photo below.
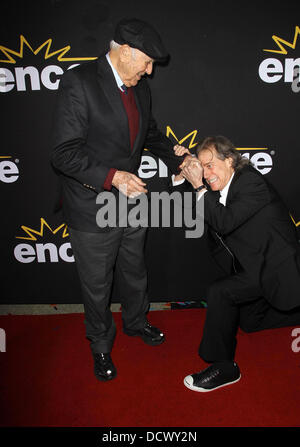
pixel 141 105
pixel 238 176
pixel 110 89
pixel 231 187
pixel 109 86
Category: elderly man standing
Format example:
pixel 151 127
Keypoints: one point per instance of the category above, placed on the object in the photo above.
pixel 249 223
pixel 102 123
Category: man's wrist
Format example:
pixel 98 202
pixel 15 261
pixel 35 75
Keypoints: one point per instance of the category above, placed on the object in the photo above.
pixel 108 183
pixel 199 187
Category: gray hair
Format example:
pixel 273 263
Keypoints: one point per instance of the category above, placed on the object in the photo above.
pixel 115 46
pixel 224 149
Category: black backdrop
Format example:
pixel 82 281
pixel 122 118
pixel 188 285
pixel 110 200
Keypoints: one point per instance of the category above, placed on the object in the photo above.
pixel 211 85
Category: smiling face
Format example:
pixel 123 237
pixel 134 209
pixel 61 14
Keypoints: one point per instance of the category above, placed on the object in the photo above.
pixel 216 172
pixel 133 64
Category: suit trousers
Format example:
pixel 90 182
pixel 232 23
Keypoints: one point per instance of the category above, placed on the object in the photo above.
pixel 235 302
pixel 101 257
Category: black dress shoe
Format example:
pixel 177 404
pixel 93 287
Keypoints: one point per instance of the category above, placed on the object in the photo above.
pixel 149 334
pixel 103 366
pixel 215 376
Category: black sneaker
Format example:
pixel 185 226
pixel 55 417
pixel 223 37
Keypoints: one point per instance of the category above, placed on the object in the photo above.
pixel 216 376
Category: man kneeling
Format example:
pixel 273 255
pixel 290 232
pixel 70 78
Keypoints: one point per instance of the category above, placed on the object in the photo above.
pixel 248 221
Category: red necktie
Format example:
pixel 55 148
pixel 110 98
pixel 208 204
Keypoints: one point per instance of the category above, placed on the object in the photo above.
pixel 132 113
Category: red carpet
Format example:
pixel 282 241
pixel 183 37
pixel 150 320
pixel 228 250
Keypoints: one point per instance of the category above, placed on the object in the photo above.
pixel 47 377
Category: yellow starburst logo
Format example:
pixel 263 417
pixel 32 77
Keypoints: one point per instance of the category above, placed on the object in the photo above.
pixel 11 55
pixel 189 141
pixel 31 232
pixel 192 135
pixel 280 42
pixel 295 223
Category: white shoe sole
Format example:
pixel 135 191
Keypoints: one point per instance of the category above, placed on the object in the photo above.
pixel 205 390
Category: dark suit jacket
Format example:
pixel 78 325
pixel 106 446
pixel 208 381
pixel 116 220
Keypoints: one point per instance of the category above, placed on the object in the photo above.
pixel 256 227
pixel 91 135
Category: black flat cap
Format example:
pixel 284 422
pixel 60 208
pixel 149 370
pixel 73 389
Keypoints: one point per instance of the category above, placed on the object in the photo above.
pixel 141 35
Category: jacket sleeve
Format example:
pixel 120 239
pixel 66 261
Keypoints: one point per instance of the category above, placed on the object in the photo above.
pixel 70 129
pixel 250 196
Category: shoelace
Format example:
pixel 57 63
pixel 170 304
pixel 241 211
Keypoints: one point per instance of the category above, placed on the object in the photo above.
pixel 211 376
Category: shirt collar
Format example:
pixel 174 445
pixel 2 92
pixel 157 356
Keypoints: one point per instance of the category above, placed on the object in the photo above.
pixel 116 74
pixel 224 191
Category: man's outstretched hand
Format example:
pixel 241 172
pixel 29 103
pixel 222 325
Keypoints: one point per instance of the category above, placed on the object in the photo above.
pixel 129 184
pixel 180 151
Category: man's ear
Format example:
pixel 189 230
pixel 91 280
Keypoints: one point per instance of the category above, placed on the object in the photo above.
pixel 125 53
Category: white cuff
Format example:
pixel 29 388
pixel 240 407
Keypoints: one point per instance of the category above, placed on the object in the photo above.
pixel 177 182
pixel 201 193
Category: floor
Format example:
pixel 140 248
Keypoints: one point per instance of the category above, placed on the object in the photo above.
pixel 52 309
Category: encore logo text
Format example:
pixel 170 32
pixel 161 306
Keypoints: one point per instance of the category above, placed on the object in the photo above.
pixel 31 78
pixel 9 171
pixel 34 250
pixel 274 69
